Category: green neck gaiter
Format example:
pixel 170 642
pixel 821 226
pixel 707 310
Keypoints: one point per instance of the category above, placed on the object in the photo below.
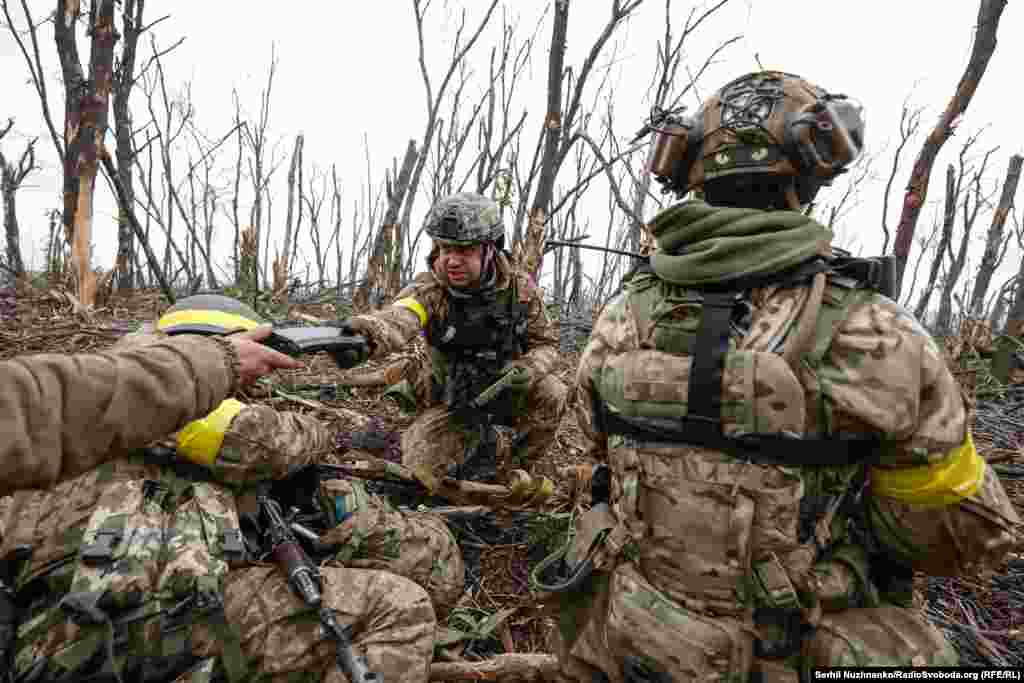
pixel 699 244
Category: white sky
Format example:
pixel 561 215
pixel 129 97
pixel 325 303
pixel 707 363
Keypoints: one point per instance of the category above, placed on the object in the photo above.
pixel 349 69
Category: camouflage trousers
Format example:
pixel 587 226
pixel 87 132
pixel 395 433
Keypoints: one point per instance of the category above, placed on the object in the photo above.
pixel 434 442
pixel 416 545
pixel 391 620
pixel 619 621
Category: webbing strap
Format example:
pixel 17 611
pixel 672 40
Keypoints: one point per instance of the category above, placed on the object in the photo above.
pixel 765 449
pixel 704 399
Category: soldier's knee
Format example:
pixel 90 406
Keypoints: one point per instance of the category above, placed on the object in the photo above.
pixel 549 396
pixel 411 600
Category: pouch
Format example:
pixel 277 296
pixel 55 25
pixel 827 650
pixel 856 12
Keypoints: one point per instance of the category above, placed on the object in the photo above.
pixel 204 537
pixel 877 637
pixel 670 639
pixel 120 556
pixel 760 393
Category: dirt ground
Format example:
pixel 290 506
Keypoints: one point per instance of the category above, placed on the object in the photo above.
pixel 983 615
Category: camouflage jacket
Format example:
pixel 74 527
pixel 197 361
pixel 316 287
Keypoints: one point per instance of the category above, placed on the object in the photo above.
pixel 426 299
pixel 142 536
pixel 63 415
pixel 858 364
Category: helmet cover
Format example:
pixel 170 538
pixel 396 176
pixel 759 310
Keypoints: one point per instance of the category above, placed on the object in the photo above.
pixel 464 219
pixel 766 130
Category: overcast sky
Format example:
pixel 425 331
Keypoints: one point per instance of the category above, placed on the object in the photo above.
pixel 348 70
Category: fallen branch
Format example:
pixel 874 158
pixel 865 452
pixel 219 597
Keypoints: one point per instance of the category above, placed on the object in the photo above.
pixel 527 667
pixel 377 377
pixel 522 490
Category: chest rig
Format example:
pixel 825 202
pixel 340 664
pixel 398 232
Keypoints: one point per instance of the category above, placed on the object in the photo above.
pixel 724 312
pixel 137 576
pixel 473 341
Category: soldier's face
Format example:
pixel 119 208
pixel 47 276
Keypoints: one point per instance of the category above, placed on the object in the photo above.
pixel 461 265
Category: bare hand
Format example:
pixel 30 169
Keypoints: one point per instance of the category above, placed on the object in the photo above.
pixel 257 360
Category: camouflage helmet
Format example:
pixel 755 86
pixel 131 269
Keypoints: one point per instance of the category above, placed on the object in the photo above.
pixel 762 137
pixel 208 314
pixel 464 219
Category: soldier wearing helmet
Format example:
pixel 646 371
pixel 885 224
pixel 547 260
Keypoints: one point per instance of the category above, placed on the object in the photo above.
pixel 484 322
pixel 785 443
pixel 145 568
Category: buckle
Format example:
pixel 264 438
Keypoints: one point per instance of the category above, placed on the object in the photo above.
pixel 232 544
pixel 101 549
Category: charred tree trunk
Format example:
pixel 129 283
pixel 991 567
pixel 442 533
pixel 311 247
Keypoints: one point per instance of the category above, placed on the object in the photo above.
pixel 124 79
pixel 956 265
pixel 11 177
pixel 989 13
pixel 948 220
pixel 385 264
pixel 1002 363
pixel 530 253
pixel 87 103
pixel 994 242
pixel 1015 319
pixel 290 210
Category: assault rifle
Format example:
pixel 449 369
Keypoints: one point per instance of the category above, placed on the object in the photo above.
pixel 305 579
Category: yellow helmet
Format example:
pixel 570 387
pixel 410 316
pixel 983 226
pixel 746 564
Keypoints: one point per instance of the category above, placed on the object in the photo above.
pixel 208 314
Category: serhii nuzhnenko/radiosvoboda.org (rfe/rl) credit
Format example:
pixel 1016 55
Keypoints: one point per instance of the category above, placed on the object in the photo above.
pixel 950 674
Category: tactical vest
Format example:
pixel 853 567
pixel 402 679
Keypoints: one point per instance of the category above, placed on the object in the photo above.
pixel 472 341
pixel 698 323
pixel 139 574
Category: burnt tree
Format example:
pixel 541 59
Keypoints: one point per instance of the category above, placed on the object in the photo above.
pixel 989 13
pixel 11 176
pixel 996 243
pixel 971 203
pixel 86 105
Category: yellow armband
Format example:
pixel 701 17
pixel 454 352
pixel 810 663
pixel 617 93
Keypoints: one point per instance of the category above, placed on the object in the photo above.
pixel 416 307
pixel 958 476
pixel 200 440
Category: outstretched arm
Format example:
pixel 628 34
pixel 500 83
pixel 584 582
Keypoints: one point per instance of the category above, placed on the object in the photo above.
pixel 63 415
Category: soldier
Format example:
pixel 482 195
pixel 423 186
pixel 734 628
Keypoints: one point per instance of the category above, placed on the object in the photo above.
pixel 181 378
pixel 785 443
pixel 139 569
pixel 484 323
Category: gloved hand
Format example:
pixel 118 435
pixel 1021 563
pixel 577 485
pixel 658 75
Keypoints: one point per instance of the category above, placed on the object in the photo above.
pixel 514 379
pixel 519 377
pixel 356 354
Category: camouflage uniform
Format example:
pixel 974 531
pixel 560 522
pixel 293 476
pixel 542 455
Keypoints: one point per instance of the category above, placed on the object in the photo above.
pixel 717 564
pixel 63 415
pixel 429 306
pixel 145 556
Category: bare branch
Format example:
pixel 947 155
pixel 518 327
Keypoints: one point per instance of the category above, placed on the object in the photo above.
pixel 910 121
